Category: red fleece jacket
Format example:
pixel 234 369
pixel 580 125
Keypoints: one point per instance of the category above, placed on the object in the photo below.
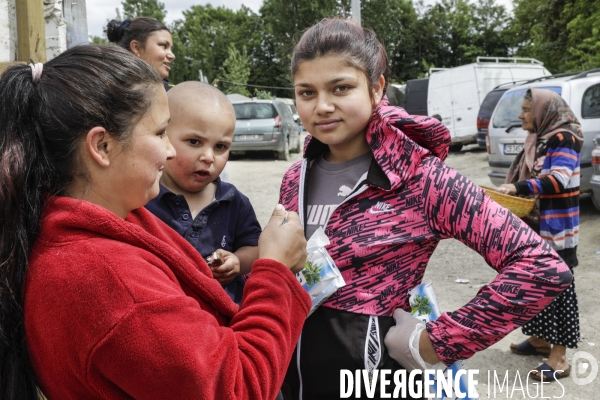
pixel 128 309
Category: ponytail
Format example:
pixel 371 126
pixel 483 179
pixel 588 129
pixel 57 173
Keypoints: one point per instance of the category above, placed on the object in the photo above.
pixel 24 168
pixel 123 33
pixel 43 116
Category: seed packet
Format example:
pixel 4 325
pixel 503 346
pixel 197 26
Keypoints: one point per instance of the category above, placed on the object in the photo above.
pixel 320 276
pixel 424 306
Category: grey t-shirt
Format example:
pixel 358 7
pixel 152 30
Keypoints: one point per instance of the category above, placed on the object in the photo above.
pixel 328 185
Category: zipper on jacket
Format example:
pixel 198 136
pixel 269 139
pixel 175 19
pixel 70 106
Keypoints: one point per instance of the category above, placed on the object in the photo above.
pixel 301 212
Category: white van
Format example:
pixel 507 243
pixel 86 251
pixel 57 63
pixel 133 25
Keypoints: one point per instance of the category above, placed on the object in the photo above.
pixel 456 93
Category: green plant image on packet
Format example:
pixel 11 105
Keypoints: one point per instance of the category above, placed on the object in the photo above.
pixel 311 272
pixel 421 306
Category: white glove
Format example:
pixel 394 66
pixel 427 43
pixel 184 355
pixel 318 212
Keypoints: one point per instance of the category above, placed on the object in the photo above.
pixel 402 342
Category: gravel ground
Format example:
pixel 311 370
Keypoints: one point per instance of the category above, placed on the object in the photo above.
pixel 258 176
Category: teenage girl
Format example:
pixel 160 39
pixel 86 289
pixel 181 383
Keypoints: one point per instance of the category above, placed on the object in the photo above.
pixel 374 179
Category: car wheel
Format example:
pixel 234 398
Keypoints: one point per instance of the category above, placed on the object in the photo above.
pixel 596 202
pixel 455 148
pixel 285 154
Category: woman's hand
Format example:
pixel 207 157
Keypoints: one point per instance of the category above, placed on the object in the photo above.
pixel 227 271
pixel 284 242
pixel 507 188
pixel 408 342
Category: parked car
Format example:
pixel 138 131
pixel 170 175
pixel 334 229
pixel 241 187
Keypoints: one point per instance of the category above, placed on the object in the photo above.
pixel 580 90
pixel 456 94
pixel 415 96
pixel 487 108
pixel 292 106
pixel 485 113
pixel 595 180
pixel 265 125
pixel 396 94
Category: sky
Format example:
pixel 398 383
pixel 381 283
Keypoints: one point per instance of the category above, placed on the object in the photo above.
pixel 99 12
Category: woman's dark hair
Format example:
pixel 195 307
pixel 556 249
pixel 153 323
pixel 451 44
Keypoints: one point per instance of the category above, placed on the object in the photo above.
pixel 122 33
pixel 528 95
pixel 41 125
pixel 342 37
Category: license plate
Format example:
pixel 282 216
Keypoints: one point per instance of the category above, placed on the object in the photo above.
pixel 513 148
pixel 248 137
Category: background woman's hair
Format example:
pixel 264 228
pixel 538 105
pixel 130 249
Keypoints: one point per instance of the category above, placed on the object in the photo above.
pixel 41 126
pixel 122 33
pixel 528 95
pixel 342 37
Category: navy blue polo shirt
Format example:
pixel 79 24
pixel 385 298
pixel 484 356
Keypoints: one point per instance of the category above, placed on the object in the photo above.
pixel 228 223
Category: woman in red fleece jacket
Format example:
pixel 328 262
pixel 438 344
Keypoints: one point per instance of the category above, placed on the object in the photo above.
pixel 100 299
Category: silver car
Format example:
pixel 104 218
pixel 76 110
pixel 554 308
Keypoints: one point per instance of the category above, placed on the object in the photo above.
pixel 265 125
pixel 506 138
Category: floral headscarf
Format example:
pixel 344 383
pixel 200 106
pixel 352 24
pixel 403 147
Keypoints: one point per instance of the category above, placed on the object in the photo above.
pixel 551 115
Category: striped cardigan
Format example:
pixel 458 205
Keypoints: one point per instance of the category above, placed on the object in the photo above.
pixel 557 185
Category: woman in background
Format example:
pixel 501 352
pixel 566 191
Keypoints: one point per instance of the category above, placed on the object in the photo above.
pixel 147 39
pixel 548 166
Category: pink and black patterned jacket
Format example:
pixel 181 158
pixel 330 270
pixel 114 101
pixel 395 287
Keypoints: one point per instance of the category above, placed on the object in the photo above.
pixel 384 233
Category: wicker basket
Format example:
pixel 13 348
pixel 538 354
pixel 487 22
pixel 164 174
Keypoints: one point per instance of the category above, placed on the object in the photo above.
pixel 517 205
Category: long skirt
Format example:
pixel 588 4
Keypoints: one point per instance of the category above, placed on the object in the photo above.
pixel 558 323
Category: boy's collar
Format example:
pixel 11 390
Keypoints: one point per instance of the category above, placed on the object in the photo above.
pixel 223 192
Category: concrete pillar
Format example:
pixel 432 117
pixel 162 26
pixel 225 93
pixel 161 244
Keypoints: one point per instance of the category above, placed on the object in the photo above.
pixel 75 14
pixel 56 28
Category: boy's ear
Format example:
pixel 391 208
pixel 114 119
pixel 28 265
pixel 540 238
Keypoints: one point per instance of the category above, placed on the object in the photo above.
pixel 378 90
pixel 100 145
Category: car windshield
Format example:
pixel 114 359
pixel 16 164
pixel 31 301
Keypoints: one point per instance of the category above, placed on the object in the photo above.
pixel 508 110
pixel 490 101
pixel 254 111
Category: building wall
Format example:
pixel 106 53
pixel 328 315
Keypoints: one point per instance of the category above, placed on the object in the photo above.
pixel 8 31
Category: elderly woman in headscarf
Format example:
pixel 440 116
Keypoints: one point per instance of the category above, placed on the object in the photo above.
pixel 548 168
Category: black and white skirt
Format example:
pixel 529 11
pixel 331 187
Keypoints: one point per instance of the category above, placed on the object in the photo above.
pixel 558 323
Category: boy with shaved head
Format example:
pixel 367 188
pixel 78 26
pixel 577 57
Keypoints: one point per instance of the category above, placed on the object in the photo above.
pixel 212 215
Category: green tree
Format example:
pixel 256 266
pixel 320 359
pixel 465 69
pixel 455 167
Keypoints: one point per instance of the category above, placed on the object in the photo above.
pixel 99 40
pixel 263 94
pixel 491 21
pixel 395 23
pixel 283 23
pixel 540 30
pixel 584 35
pixel 455 32
pixel 236 68
pixel 202 39
pixel 144 8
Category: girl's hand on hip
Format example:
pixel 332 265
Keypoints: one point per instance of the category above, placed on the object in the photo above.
pixel 406 344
